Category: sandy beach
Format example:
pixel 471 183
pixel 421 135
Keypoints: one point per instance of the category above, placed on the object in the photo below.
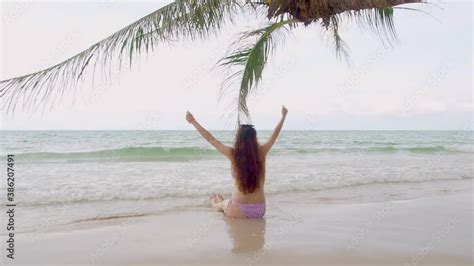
pixel 346 125
pixel 347 226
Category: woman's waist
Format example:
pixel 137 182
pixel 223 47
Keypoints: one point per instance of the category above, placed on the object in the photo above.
pixel 249 198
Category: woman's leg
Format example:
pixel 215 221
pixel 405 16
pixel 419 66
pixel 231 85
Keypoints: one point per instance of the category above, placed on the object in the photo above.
pixel 230 208
pixel 218 202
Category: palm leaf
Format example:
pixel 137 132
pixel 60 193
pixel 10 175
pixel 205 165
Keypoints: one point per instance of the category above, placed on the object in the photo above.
pixel 198 19
pixel 190 19
pixel 375 16
pixel 309 11
pixel 377 20
pixel 250 59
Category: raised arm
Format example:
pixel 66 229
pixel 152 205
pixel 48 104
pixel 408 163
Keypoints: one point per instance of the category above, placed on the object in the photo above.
pixel 224 149
pixel 268 145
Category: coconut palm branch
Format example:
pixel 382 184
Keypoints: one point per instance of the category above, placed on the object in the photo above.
pixel 196 19
pixel 181 19
pixel 251 58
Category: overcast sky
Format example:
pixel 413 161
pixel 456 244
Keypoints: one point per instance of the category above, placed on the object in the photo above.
pixel 423 82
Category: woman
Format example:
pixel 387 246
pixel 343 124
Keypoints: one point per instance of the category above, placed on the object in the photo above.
pixel 247 160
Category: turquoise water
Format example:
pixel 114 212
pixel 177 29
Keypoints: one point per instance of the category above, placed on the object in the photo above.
pixel 107 173
pixel 87 146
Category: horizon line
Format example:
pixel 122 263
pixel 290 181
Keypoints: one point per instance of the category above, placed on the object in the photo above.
pixel 234 130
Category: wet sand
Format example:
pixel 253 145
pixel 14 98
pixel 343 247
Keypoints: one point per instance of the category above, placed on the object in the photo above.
pixel 339 227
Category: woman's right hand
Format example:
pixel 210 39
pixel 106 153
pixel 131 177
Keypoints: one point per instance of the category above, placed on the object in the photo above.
pixel 284 111
pixel 189 117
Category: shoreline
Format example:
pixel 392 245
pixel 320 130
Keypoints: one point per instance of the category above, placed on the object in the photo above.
pixel 299 228
pixel 58 216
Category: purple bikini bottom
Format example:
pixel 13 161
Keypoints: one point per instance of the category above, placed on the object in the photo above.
pixel 251 210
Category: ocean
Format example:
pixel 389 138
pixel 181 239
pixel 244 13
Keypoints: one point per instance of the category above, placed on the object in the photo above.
pixel 64 177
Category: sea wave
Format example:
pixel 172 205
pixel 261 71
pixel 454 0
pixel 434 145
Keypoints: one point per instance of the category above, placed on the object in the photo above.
pixel 197 153
pixel 125 154
pixel 148 195
pixel 387 149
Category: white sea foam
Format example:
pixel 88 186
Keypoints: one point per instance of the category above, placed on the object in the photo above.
pixel 54 169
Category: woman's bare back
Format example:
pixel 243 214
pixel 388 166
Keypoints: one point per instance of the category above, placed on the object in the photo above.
pixel 241 205
pixel 258 196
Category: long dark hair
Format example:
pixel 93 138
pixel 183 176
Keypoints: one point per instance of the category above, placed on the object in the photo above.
pixel 246 160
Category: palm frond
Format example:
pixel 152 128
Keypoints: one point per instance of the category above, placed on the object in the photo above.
pixel 331 25
pixel 375 16
pixel 377 20
pixel 250 59
pixel 180 19
pixel 421 11
pixel 308 11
